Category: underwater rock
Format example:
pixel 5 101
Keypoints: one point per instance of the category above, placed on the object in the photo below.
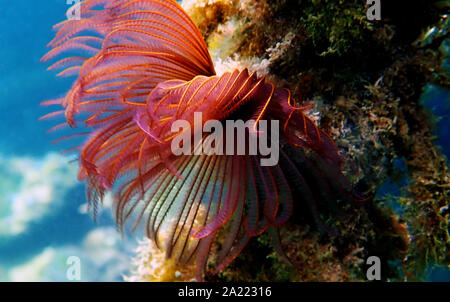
pixel 150 265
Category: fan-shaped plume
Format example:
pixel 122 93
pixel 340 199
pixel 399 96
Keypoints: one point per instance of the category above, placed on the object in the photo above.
pixel 142 65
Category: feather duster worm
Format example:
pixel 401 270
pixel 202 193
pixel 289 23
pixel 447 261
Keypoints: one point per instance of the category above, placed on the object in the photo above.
pixel 141 66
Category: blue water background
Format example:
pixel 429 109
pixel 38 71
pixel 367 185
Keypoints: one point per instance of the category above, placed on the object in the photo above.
pixel 25 30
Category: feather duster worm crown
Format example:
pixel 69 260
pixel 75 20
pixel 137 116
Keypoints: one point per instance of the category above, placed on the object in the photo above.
pixel 141 65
